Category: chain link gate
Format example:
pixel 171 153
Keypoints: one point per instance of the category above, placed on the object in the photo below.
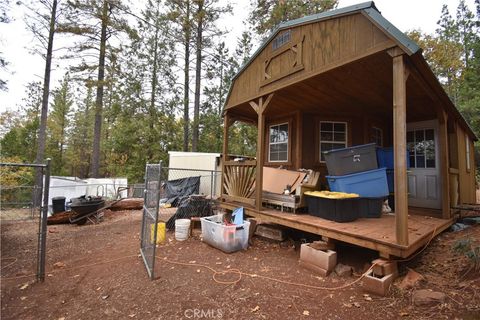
pixel 43 189
pixel 151 199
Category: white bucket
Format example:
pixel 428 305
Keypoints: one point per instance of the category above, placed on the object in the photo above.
pixel 182 229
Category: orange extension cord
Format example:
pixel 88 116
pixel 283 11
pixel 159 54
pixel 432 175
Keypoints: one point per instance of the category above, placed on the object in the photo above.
pixel 224 272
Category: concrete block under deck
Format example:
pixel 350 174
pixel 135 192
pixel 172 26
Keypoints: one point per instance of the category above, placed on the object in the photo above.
pixel 376 234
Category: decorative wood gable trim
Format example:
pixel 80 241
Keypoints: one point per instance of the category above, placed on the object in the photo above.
pixel 297 64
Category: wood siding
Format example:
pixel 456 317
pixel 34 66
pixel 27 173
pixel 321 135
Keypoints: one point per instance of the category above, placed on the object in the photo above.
pixel 466 177
pixel 314 48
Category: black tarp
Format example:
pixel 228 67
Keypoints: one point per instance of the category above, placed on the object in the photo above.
pixel 176 190
pixel 183 194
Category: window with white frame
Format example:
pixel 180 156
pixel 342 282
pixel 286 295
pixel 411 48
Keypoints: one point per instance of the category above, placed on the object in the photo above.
pixel 333 135
pixel 467 151
pixel 376 135
pixel 278 143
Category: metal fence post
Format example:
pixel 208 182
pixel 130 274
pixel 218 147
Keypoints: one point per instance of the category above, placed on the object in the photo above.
pixel 144 206
pixel 211 184
pixel 43 224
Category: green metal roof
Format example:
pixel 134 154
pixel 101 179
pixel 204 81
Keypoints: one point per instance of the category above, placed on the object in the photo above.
pixel 368 7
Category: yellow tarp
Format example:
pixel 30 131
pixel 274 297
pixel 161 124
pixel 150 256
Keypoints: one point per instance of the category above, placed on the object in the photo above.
pixel 331 194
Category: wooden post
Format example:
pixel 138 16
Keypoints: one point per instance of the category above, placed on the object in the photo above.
pixel 444 164
pixel 260 160
pixel 260 108
pixel 298 140
pixel 226 124
pixel 400 148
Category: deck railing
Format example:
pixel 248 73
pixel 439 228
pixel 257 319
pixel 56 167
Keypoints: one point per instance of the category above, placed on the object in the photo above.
pixel 239 181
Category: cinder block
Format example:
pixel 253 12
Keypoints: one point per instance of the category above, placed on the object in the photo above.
pixel 383 267
pixel 326 260
pixel 378 286
pixel 270 231
pixel 314 268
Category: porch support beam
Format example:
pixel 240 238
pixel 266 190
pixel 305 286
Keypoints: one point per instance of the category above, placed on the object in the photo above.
pixel 260 107
pixel 444 164
pixel 226 125
pixel 400 75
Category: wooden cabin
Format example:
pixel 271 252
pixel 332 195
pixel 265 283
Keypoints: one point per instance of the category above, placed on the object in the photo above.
pixel 352 74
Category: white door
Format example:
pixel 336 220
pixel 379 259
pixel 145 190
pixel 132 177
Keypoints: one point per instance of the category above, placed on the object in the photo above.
pixel 424 185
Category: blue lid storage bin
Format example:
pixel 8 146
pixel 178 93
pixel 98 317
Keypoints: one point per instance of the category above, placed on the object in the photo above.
pixel 371 207
pixel 370 184
pixel 350 160
pixel 339 210
pixel 385 158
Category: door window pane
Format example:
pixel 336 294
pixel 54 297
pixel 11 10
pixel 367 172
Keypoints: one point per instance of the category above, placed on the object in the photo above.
pixel 421 148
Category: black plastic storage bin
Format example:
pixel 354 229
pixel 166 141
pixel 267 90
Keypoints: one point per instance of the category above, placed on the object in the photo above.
pixel 391 202
pixel 339 210
pixel 58 204
pixel 351 160
pixel 371 207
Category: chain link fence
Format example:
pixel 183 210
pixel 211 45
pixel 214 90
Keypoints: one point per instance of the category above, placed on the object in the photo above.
pixel 170 194
pixel 21 219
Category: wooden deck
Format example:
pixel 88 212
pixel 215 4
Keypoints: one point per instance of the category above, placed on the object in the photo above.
pixel 375 234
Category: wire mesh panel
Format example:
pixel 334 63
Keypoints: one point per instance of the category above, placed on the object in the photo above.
pixel 172 194
pixel 23 218
pixel 148 233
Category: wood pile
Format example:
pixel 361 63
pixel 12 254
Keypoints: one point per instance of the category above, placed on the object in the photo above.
pixel 127 204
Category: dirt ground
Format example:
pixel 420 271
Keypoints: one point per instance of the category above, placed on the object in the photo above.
pixel 95 271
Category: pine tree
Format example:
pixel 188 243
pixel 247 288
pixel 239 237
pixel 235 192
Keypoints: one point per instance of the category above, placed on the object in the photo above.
pixel 4 18
pixel 268 14
pixel 58 124
pixel 207 12
pixel 80 136
pixel 95 22
pixel 179 13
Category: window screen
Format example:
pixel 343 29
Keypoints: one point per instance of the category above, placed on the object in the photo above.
pixel 278 143
pixel 333 135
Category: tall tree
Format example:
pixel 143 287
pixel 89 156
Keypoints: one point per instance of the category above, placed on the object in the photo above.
pixel 21 138
pixel 80 137
pixel 180 15
pixel 42 23
pixel 207 12
pixel 95 22
pixel 4 18
pixel 268 14
pixel 58 123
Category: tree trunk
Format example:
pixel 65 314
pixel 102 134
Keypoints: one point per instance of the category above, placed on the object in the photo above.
pixel 186 124
pixel 198 74
pixel 43 118
pixel 154 86
pixel 95 169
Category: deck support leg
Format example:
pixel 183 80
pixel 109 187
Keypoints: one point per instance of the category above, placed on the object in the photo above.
pixel 400 74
